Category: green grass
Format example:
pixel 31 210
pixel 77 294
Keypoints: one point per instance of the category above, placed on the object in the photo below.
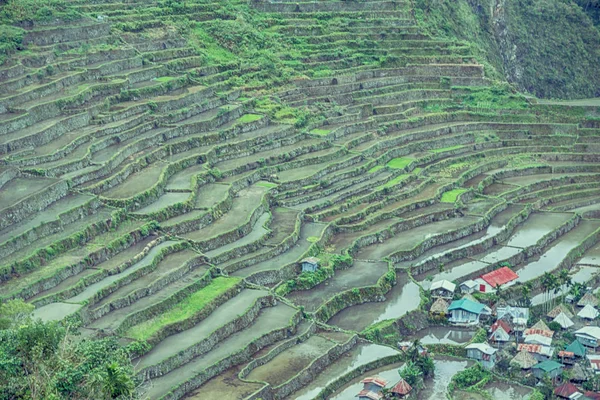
pixel 320 132
pixel 266 184
pixel 452 195
pixel 447 148
pixel 400 162
pixel 375 169
pixel 165 78
pixel 184 309
pixel 312 239
pixel 396 180
pixel 246 118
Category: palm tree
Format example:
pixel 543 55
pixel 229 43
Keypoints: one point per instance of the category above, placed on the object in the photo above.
pixel 526 292
pixel 546 283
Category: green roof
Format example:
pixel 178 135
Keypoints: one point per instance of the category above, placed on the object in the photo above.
pixel 548 365
pixel 467 305
pixel 576 348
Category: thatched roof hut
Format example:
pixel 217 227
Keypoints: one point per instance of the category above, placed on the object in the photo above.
pixel 524 360
pixel 588 298
pixel 440 306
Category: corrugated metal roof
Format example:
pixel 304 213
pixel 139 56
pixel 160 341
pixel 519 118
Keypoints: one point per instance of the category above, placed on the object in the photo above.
pixel 499 276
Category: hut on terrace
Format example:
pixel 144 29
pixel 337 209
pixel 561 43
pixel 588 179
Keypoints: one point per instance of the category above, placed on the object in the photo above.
pixel 523 360
pixel 541 325
pixel 564 321
pixel 588 312
pixel 549 367
pixel 576 348
pixel 561 308
pixel 442 289
pixel 401 389
pixel 579 374
pixel 439 307
pixel 372 388
pixel 588 299
pixel 567 391
pixel 500 332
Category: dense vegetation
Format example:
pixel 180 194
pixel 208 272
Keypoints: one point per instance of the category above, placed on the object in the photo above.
pixel 46 361
pixel 546 47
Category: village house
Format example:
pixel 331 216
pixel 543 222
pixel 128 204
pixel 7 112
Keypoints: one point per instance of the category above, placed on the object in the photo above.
pixel 579 374
pixel 482 352
pixel 401 389
pixel 439 308
pixel 540 353
pixel 592 395
pixel 469 286
pixel 561 308
pixel 588 299
pixel 442 289
pixel 576 348
pixel 594 362
pixel 372 388
pixel 499 277
pixel 310 264
pixel 564 321
pixel 518 316
pixel 588 312
pixel 549 368
pixel 466 312
pixel 536 338
pixel 588 336
pixel 523 360
pixel 566 357
pixel 500 332
pixel 567 391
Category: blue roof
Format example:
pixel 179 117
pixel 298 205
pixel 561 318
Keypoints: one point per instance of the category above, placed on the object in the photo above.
pixel 467 305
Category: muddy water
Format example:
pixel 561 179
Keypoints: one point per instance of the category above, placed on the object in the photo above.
pixel 445 368
pixel 291 361
pixel 442 335
pixel 451 272
pixel 536 226
pixel 294 253
pixel 591 257
pixel 362 273
pixel 496 225
pixel 226 386
pixel 507 391
pixel 557 251
pixel 359 355
pixel 407 240
pixel 401 299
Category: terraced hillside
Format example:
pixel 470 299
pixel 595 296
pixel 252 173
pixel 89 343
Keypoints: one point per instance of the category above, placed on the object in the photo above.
pixel 162 178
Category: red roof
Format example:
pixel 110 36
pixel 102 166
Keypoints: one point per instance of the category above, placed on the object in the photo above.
pixel 564 353
pixel 592 395
pixel 370 395
pixel 532 348
pixel 402 387
pixel 499 276
pixel 501 323
pixel 376 380
pixel 566 390
pixel 541 332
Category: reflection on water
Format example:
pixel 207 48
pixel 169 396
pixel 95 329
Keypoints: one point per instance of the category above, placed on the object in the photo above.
pixel 442 335
pixel 437 387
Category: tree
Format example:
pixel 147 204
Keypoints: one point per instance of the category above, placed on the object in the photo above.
pixel 44 360
pixel 526 292
pixel 410 373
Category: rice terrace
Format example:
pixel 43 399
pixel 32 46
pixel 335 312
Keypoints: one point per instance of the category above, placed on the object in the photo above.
pixel 307 199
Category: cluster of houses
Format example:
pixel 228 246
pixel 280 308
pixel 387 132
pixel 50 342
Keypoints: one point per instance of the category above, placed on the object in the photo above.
pixel 535 352
pixel 373 389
